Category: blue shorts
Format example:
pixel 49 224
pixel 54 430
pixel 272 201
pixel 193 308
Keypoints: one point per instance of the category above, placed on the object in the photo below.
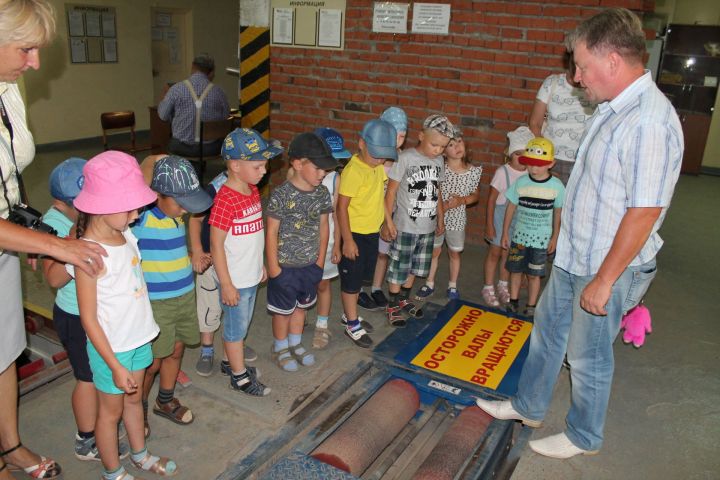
pixel 529 260
pixel 137 359
pixel 73 337
pixel 237 319
pixel 294 287
pixel 356 273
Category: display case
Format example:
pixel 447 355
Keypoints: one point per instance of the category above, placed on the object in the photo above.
pixel 689 75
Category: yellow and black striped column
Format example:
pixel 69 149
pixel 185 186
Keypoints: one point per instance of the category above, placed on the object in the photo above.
pixel 255 79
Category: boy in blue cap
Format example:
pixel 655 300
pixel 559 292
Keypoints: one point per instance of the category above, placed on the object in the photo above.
pixel 335 141
pixel 360 214
pixel 65 183
pixel 237 243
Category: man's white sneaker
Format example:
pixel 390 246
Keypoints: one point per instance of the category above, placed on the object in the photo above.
pixel 503 410
pixel 558 446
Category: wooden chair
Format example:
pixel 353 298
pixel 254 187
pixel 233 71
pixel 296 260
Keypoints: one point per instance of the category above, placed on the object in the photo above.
pixel 119 121
pixel 209 132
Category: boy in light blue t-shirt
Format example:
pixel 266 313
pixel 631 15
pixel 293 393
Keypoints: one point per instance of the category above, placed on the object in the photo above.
pixel 536 200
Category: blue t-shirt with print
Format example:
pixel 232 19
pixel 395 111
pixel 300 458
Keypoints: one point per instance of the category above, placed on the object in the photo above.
pixel 536 202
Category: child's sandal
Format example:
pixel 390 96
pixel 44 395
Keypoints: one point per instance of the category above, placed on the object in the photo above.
pixel 305 358
pixel 395 319
pixel 156 465
pixel 321 338
pixel 284 360
pixel 410 308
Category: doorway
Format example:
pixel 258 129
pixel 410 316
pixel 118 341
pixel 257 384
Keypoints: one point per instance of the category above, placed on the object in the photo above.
pixel 171 30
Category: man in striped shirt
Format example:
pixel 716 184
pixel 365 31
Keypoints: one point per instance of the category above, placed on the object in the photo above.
pixel 627 165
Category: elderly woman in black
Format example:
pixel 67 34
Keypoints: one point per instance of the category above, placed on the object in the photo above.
pixel 25 26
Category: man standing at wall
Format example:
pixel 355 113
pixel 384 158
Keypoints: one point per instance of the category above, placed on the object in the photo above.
pixel 188 102
pixel 618 193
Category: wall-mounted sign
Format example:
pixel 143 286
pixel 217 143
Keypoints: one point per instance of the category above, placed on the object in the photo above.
pixel 431 18
pixel 92 34
pixel 390 17
pixel 308 24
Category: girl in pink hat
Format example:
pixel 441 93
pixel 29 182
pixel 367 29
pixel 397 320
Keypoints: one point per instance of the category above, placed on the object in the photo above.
pixel 115 308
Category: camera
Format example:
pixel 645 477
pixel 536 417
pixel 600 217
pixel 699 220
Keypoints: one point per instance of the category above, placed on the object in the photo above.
pixel 28 217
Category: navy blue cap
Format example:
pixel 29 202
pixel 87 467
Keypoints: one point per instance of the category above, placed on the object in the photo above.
pixel 335 142
pixel 175 177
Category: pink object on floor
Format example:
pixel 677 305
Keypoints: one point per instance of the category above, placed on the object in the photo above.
pixel 637 323
pixel 183 379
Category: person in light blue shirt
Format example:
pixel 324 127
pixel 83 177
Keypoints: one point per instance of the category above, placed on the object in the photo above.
pixel 627 166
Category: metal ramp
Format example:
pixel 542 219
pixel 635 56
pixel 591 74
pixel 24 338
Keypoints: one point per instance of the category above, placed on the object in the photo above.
pixel 456 353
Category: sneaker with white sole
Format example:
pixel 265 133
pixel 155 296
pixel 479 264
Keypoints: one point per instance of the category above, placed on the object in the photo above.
pixel 503 410
pixel 488 295
pixel 359 337
pixel 204 365
pixel 558 446
pixel 367 326
pixel 86 449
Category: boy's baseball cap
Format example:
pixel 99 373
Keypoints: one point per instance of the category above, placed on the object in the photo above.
pixel 335 142
pixel 396 117
pixel 519 139
pixel 247 144
pixel 66 179
pixel 113 183
pixel 381 139
pixel 440 124
pixel 175 177
pixel 539 152
pixel 310 145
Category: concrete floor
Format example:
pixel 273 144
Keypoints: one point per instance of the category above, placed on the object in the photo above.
pixel 663 420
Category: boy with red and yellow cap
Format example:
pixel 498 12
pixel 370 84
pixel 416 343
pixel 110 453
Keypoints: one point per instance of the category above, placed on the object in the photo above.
pixel 536 200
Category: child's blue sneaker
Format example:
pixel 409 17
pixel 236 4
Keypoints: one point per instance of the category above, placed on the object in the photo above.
pixel 424 292
pixel 453 294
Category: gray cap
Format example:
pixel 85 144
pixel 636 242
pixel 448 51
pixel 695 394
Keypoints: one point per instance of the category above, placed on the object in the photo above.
pixel 204 61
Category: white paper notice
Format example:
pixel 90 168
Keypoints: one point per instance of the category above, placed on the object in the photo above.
pixel 92 21
pixel 254 13
pixel 330 28
pixel 77 50
pixel 283 25
pixel 76 24
pixel 110 49
pixel 108 24
pixel 431 18
pixel 390 17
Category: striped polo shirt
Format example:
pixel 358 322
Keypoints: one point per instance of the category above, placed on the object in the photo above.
pixel 165 261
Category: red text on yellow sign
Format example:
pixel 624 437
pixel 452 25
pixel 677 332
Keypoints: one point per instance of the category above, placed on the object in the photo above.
pixel 475 346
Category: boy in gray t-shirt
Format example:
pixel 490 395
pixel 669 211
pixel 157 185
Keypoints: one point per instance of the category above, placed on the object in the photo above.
pixel 297 233
pixel 413 195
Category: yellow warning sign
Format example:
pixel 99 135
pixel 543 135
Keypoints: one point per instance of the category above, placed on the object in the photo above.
pixel 475 346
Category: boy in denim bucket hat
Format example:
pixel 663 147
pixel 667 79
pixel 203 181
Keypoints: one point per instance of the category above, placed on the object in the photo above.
pixel 168 273
pixel 237 243
pixel 360 214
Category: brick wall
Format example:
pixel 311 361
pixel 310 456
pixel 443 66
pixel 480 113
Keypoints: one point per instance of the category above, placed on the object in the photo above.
pixel 484 75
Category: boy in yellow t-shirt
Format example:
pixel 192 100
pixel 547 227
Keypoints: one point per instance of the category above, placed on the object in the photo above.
pixel 360 215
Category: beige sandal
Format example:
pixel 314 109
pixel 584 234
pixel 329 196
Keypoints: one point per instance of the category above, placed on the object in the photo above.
pixel 284 359
pixel 321 338
pixel 156 465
